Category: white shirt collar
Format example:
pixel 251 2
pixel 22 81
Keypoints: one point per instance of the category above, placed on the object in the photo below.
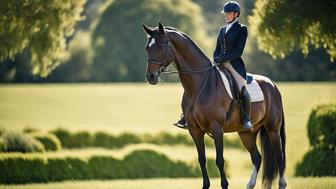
pixel 229 26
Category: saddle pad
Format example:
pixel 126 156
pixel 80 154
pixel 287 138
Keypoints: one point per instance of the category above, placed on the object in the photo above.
pixel 253 88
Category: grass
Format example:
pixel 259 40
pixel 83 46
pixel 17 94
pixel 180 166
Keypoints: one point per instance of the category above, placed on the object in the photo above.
pixel 141 108
pixel 237 183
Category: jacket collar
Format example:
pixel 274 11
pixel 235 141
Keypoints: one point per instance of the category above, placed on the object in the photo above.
pixel 234 25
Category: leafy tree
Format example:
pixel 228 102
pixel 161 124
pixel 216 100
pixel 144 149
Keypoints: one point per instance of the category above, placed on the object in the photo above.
pixel 38 26
pixel 119 40
pixel 283 25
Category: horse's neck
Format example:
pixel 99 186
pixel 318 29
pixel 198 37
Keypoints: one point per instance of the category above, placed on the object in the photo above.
pixel 188 57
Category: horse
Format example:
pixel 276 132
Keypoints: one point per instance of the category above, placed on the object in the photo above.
pixel 206 105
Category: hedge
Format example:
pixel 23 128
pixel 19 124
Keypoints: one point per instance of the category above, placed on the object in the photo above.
pixel 105 140
pixel 49 141
pixel 317 162
pixel 321 158
pixel 322 127
pixel 34 168
pixel 14 141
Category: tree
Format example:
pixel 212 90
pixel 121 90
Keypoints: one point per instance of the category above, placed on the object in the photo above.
pixel 119 39
pixel 40 27
pixel 283 25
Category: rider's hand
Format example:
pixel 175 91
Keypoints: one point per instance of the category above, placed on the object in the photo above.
pixel 218 59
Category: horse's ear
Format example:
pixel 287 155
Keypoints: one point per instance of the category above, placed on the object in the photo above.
pixel 161 29
pixel 147 29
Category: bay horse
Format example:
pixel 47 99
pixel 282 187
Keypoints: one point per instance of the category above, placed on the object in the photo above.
pixel 206 104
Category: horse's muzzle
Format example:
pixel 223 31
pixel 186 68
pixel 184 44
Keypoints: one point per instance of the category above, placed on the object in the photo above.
pixel 152 78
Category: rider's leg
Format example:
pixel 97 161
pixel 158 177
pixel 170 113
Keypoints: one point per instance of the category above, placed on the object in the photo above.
pixel 246 100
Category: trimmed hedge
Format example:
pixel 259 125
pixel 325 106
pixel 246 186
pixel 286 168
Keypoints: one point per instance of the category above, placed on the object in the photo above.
pixel 320 160
pixel 322 127
pixel 21 168
pixel 105 140
pixel 14 141
pixel 49 141
pixel 317 162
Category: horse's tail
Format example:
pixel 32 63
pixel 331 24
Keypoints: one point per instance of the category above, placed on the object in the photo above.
pixel 283 144
pixel 270 167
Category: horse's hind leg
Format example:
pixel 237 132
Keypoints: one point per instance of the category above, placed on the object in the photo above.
pixel 218 132
pixel 248 139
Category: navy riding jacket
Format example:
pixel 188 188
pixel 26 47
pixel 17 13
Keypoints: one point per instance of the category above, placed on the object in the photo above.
pixel 230 47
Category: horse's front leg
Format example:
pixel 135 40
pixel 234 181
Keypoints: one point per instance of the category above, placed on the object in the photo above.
pixel 218 132
pixel 198 137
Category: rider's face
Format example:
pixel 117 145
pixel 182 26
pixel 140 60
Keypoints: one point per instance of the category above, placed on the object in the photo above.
pixel 229 16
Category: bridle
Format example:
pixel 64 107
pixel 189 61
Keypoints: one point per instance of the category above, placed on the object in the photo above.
pixel 163 62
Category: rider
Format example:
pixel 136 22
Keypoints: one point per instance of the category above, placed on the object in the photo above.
pixel 230 45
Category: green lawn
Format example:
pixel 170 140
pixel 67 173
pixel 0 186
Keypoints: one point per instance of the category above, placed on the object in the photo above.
pixel 142 108
pixel 237 183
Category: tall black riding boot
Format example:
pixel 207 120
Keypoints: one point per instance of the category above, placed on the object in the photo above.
pixel 246 109
pixel 181 123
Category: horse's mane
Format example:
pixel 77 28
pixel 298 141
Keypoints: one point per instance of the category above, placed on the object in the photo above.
pixel 189 38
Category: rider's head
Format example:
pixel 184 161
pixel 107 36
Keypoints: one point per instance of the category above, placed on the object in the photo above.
pixel 231 10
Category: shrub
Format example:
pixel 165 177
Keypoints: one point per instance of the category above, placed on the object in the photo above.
pixel 102 139
pixel 27 168
pixel 14 141
pixel 64 136
pixel 317 162
pixel 320 160
pixel 49 141
pixel 73 140
pixel 322 127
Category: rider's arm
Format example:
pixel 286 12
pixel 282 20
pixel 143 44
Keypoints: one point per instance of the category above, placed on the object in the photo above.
pixel 240 47
pixel 217 53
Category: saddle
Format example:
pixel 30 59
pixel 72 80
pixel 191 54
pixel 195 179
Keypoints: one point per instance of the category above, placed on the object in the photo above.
pixel 232 89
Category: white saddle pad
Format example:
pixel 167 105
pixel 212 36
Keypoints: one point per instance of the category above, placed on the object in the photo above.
pixel 253 88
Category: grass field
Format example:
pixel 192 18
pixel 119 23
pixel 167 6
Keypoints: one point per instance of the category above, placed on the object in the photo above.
pixel 141 108
pixel 294 183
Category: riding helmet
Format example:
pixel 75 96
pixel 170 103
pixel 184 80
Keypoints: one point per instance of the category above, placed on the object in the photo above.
pixel 231 6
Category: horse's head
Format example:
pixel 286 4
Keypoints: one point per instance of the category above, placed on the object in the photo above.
pixel 159 52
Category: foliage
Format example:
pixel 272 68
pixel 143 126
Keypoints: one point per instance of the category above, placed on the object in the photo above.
pixel 106 140
pixel 317 162
pixel 49 141
pixel 320 160
pixel 285 25
pixel 322 127
pixel 14 141
pixel 20 168
pixel 119 39
pixel 73 140
pixel 40 26
pixel 77 67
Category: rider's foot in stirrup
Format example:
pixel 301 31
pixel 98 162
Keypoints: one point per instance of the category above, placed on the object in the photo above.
pixel 181 123
pixel 247 125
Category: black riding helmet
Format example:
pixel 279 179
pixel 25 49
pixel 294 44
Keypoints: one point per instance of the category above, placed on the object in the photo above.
pixel 231 6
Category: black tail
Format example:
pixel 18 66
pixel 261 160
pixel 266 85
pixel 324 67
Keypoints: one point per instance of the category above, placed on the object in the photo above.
pixel 283 145
pixel 270 166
